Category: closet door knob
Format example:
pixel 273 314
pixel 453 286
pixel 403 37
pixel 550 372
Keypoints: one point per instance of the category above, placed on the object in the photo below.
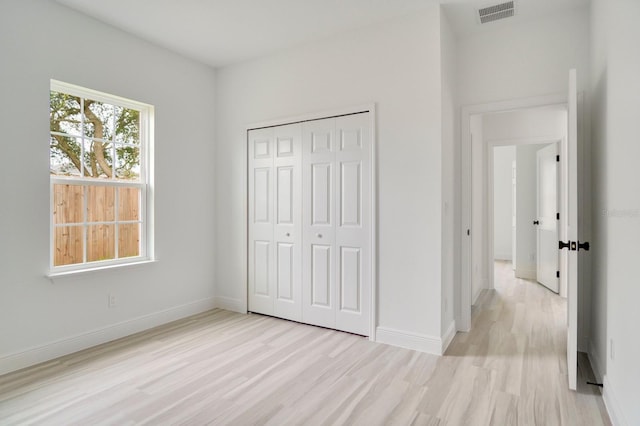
pixel 287 234
pixel 319 235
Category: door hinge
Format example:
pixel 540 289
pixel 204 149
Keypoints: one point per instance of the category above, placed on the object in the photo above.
pixel 557 274
pixel 557 216
pixel 557 158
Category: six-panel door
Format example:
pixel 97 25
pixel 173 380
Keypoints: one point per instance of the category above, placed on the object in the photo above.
pixel 275 222
pixel 261 221
pixel 353 211
pixel 287 222
pixel 309 259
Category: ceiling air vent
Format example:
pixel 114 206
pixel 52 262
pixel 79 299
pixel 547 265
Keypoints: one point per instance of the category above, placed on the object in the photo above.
pixel 495 12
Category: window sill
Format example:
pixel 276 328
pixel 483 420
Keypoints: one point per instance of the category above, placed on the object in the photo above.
pixel 88 271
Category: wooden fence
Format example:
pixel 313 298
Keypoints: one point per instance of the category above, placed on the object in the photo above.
pixel 69 240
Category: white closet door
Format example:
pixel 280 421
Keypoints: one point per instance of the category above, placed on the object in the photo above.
pixel 336 223
pixel 261 221
pixel 352 213
pixel 318 211
pixel 288 217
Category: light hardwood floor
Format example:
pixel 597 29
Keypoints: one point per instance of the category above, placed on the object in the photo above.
pixel 225 368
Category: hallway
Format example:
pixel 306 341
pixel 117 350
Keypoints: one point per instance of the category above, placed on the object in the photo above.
pixel 517 353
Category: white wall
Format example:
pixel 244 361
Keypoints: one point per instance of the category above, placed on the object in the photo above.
pixel 450 176
pixel 526 126
pixel 598 352
pixel 397 66
pixel 526 211
pixel 523 60
pixel 40 319
pixel 479 248
pixel 503 158
pixel 616 88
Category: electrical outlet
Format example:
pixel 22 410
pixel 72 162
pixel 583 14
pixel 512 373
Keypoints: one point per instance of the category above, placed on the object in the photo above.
pixel 113 301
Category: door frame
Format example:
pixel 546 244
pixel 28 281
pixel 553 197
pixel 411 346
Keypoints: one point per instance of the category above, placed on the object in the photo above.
pixel 463 311
pixel 562 292
pixel 355 109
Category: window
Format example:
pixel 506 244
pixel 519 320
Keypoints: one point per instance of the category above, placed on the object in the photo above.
pixel 100 179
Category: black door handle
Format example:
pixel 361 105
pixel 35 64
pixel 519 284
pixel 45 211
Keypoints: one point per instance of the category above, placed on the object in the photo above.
pixel 583 246
pixel 536 222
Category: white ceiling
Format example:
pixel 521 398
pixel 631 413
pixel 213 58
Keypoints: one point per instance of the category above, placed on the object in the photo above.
pixel 222 32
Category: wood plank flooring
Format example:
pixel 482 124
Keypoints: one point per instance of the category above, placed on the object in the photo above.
pixel 225 368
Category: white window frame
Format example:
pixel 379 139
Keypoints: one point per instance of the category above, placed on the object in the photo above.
pixel 145 184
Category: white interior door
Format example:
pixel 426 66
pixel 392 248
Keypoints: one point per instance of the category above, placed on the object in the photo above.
pixel 310 222
pixel 318 218
pixel 336 223
pixel 287 224
pixel 546 222
pixel 353 231
pixel 275 237
pixel 569 229
pixel 261 221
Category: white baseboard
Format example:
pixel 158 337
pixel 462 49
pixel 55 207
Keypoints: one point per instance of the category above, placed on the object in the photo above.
pixel 230 304
pixel 612 404
pixel 448 336
pixel 409 340
pixel 66 346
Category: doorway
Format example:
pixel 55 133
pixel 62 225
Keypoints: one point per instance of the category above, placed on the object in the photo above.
pixel 477 248
pixel 527 128
pixel 523 211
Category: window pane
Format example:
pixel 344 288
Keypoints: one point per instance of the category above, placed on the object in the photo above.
pixel 67 245
pixel 129 240
pixel 64 156
pixel 98 161
pixel 101 241
pixel 129 204
pixel 68 201
pixel 98 119
pixel 64 113
pixel 128 162
pixel 101 202
pixel 127 126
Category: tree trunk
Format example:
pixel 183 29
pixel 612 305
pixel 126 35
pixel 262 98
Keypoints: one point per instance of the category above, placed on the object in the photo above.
pixel 97 147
